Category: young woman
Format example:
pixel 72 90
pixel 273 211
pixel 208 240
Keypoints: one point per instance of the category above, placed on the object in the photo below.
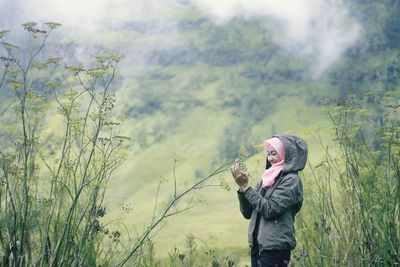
pixel 273 203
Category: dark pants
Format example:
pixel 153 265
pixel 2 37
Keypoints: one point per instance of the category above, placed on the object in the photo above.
pixel 269 258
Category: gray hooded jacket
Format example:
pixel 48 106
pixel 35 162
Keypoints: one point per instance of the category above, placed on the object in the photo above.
pixel 280 203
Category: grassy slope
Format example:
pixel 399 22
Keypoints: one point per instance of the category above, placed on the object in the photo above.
pixel 217 220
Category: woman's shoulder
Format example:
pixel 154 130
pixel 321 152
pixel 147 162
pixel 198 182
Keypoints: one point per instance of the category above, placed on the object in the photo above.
pixel 291 177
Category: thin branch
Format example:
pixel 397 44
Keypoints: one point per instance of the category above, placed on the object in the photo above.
pixel 156 202
pixel 174 171
pixel 7 107
pixel 207 185
pixel 165 214
pixel 4 76
pixel 182 210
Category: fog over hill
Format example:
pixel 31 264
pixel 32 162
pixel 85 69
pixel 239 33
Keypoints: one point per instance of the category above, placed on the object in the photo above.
pixel 317 29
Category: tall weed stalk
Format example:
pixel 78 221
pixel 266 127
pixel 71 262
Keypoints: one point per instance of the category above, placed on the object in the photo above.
pixel 354 191
pixel 53 180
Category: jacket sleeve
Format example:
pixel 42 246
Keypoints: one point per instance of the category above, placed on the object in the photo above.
pixel 245 207
pixel 287 193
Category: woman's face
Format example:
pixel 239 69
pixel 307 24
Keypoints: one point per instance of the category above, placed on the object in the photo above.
pixel 272 155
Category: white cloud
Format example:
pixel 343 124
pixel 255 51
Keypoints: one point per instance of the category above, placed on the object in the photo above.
pixel 89 15
pixel 318 28
pixel 132 27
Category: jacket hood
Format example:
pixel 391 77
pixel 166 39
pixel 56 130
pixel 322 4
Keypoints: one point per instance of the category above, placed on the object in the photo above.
pixel 295 153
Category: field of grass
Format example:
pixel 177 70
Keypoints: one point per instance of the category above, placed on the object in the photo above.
pixel 216 221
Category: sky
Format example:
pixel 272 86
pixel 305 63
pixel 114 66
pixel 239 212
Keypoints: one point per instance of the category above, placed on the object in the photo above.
pixel 321 29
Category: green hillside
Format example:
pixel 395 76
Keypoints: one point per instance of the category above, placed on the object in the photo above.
pixel 229 88
pixel 201 110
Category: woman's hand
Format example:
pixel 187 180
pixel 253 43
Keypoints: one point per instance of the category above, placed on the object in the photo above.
pixel 240 177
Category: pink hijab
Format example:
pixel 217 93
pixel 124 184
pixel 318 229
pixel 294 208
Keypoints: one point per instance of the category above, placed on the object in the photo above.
pixel 268 177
